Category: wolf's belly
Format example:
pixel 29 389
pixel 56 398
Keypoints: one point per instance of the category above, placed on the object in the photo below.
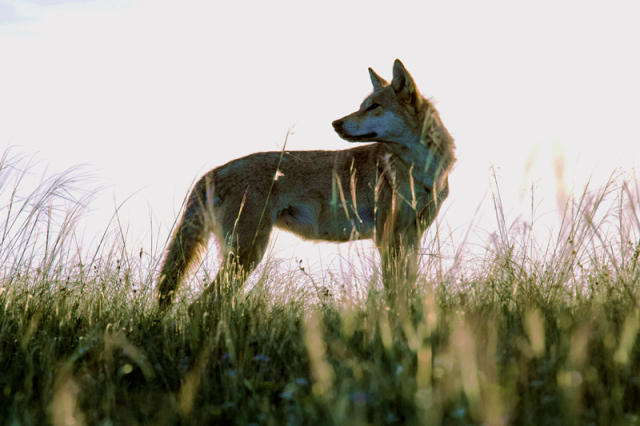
pixel 335 225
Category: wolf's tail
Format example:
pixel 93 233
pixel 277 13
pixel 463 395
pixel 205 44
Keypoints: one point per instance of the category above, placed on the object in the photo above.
pixel 187 243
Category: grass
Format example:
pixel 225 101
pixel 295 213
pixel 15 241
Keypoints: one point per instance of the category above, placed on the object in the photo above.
pixel 525 334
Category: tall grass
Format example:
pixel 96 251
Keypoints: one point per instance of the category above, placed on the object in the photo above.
pixel 530 332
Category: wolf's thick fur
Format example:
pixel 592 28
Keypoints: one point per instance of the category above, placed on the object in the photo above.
pixel 390 191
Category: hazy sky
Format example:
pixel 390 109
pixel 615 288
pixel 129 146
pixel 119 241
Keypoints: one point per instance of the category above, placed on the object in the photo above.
pixel 151 94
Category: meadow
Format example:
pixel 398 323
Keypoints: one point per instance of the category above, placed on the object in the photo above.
pixel 524 333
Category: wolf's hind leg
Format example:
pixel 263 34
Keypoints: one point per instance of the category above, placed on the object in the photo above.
pixel 246 240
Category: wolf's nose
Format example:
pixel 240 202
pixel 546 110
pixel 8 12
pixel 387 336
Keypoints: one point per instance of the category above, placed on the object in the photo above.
pixel 337 125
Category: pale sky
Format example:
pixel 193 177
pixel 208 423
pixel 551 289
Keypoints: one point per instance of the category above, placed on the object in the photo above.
pixel 151 94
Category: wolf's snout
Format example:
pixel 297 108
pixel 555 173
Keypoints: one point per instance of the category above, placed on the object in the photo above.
pixel 338 125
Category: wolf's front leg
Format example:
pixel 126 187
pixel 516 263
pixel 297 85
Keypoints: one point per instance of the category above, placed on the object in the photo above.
pixel 399 263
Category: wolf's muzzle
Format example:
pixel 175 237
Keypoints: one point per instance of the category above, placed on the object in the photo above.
pixel 338 126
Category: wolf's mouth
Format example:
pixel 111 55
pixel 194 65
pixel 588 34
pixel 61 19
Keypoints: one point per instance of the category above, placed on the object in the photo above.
pixel 366 136
pixel 338 125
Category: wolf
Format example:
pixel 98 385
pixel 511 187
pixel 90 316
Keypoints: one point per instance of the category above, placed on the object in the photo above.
pixel 389 190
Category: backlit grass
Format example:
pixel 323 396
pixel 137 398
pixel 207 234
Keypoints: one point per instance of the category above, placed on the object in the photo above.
pixel 529 334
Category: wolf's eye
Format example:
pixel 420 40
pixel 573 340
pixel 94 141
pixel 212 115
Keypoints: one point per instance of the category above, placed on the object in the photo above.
pixel 372 107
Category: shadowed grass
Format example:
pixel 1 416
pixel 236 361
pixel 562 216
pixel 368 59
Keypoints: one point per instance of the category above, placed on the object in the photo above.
pixel 529 334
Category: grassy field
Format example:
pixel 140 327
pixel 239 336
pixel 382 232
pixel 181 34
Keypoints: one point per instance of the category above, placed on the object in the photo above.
pixel 525 334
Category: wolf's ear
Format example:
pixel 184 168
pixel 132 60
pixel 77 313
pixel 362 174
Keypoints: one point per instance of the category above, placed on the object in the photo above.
pixel 402 82
pixel 376 80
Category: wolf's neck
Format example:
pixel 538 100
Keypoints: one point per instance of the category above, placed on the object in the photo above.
pixel 430 155
pixel 427 167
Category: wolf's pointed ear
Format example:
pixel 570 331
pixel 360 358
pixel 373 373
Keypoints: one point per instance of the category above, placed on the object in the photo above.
pixel 402 82
pixel 376 80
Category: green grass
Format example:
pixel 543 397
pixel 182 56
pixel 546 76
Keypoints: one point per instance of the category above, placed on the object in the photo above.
pixel 528 334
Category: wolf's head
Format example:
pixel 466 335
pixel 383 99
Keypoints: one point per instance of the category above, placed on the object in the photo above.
pixel 393 113
pixel 398 116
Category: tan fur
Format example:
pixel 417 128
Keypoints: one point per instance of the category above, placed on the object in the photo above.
pixel 389 191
